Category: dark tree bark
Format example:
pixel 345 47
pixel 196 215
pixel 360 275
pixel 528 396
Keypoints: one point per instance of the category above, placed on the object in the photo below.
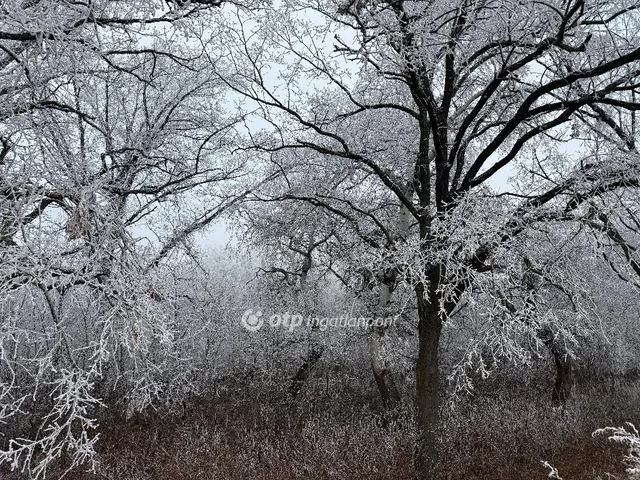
pixel 302 374
pixel 427 383
pixel 564 376
pixel 563 384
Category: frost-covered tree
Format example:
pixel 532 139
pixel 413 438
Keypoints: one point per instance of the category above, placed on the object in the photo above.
pixel 424 109
pixel 303 243
pixel 115 149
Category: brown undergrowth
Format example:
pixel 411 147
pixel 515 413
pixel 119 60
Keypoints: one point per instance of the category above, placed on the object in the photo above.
pixel 253 433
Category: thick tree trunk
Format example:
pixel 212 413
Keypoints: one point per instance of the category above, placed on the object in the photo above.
pixel 427 385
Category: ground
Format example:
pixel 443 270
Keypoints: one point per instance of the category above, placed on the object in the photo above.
pixel 501 432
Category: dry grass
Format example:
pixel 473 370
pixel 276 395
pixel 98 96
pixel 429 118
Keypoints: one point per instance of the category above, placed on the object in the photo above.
pixel 245 438
pixel 252 433
pixel 492 437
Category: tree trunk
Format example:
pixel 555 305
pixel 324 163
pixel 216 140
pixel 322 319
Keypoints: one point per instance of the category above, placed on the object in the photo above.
pixel 381 372
pixel 379 355
pixel 427 384
pixel 564 371
pixel 315 347
pixel 302 374
pixel 564 376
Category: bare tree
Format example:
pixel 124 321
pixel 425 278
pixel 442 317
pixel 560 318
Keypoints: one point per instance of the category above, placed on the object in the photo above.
pixel 115 148
pixel 426 105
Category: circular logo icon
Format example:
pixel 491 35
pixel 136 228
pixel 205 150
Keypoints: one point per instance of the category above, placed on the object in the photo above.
pixel 252 321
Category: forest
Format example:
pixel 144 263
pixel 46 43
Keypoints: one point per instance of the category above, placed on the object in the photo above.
pixel 319 239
